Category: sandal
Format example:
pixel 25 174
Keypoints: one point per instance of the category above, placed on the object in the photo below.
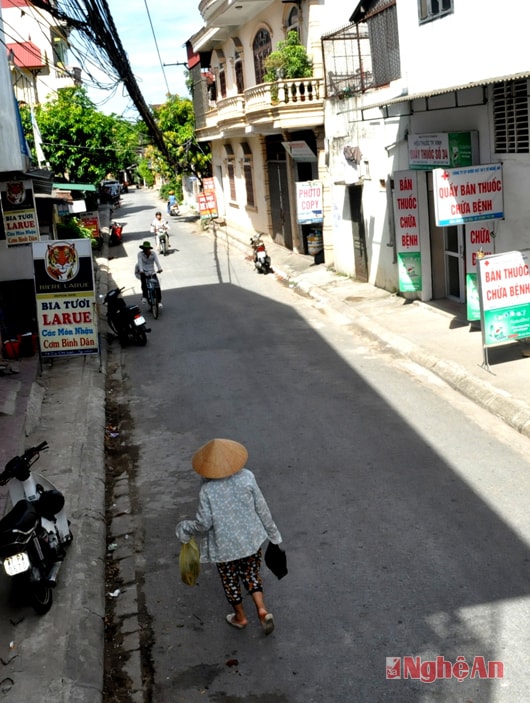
pixel 268 624
pixel 230 620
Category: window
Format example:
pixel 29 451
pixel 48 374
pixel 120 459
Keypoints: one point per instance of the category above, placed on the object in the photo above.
pixel 510 117
pixel 221 74
pixel 433 9
pixel 238 69
pixel 384 44
pixel 262 47
pixel 247 174
pixel 230 170
pixel 292 23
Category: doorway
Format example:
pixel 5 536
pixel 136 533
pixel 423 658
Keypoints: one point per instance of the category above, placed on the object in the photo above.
pixel 358 232
pixel 454 256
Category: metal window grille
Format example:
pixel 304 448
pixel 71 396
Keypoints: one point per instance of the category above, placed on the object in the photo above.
pixel 384 45
pixel 347 61
pixel 262 47
pixel 510 117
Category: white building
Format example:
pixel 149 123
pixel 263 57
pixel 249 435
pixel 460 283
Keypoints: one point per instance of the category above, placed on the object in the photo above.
pixel 265 137
pixel 445 88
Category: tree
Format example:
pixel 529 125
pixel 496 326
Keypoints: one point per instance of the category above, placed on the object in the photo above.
pixel 81 144
pixel 176 121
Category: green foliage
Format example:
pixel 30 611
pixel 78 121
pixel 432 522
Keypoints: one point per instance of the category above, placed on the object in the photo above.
pixel 290 60
pixel 81 144
pixel 73 228
pixel 176 121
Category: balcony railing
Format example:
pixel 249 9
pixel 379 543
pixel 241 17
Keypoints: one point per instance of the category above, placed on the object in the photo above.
pixel 284 92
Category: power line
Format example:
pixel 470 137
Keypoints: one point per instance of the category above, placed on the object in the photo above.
pixel 156 45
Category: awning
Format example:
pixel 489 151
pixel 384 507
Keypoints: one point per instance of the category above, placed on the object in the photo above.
pixel 26 55
pixel 451 89
pixel 75 186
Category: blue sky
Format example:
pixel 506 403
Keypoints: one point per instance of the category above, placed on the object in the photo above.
pixel 173 24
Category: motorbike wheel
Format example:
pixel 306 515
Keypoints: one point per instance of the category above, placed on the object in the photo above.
pixel 164 247
pixel 40 597
pixel 155 309
pixel 141 338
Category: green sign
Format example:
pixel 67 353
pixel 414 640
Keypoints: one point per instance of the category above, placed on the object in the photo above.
pixel 409 271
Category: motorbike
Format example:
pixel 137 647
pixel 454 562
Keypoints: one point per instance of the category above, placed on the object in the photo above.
pixel 153 294
pixel 163 241
pixel 116 233
pixel 262 261
pixel 174 210
pixel 35 533
pixel 126 321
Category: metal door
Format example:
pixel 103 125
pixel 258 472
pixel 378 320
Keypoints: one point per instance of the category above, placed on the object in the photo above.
pixel 358 232
pixel 280 206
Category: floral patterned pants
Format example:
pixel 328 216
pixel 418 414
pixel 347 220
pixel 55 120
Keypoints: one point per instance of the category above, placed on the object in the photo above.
pixel 247 570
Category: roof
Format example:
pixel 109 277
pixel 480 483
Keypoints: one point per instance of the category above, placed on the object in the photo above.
pixel 74 186
pixel 449 89
pixel 26 55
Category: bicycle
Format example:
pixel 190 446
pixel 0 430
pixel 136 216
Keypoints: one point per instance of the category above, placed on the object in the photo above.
pixel 153 294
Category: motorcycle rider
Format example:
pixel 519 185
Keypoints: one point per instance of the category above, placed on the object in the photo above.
pixel 171 201
pixel 158 225
pixel 148 265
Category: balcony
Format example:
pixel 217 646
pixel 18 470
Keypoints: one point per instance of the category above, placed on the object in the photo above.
pixel 284 104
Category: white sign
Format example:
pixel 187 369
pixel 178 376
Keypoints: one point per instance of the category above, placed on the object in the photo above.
pixel 480 241
pixel 309 202
pixel 468 194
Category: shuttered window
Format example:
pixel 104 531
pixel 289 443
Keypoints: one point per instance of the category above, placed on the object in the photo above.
pixel 510 117
pixel 248 174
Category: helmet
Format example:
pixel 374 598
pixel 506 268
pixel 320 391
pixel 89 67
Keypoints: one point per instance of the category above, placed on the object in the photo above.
pixel 172 192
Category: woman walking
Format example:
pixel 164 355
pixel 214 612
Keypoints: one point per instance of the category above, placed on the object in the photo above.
pixel 233 520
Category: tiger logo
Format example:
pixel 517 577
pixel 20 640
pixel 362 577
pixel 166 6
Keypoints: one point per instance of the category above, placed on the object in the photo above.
pixel 62 261
pixel 16 193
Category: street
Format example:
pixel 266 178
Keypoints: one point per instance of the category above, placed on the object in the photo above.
pixel 402 505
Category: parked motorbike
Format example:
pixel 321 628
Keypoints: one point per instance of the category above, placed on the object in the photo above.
pixel 116 233
pixel 126 321
pixel 174 210
pixel 262 261
pixel 35 533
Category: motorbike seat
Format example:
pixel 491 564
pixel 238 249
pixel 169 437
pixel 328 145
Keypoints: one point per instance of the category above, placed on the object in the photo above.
pixel 22 517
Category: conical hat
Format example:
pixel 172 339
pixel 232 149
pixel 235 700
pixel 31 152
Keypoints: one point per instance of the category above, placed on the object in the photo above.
pixel 219 458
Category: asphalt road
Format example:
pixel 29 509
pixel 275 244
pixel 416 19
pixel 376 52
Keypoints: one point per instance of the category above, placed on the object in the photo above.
pixel 403 507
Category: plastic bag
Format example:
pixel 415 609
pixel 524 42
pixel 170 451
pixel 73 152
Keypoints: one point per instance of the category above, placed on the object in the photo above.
pixel 276 560
pixel 189 562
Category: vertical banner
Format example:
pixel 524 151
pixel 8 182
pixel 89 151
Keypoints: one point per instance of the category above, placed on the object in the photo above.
pixel 406 215
pixel 19 212
pixel 65 293
pixel 504 288
pixel 208 199
pixel 480 239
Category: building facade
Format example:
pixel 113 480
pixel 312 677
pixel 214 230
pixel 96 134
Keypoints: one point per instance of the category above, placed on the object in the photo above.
pixel 267 138
pixel 429 153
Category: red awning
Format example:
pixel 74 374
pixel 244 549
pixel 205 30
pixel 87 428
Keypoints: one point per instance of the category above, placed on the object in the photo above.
pixel 25 55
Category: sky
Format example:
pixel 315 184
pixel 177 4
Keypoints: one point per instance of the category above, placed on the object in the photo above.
pixel 173 24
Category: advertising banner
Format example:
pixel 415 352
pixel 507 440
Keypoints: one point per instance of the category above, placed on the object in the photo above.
pixel 19 212
pixel 91 221
pixel 445 149
pixel 504 289
pixel 65 296
pixel 407 225
pixel 468 194
pixel 479 239
pixel 309 202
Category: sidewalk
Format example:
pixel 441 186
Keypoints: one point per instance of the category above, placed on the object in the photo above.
pixel 434 335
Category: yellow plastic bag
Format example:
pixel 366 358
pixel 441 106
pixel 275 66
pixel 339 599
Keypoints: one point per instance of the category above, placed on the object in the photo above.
pixel 189 562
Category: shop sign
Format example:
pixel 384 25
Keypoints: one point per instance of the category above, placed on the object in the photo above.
pixel 407 227
pixel 309 202
pixel 504 289
pixel 19 212
pixel 90 220
pixel 65 296
pixel 468 194
pixel 479 240
pixel 445 149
